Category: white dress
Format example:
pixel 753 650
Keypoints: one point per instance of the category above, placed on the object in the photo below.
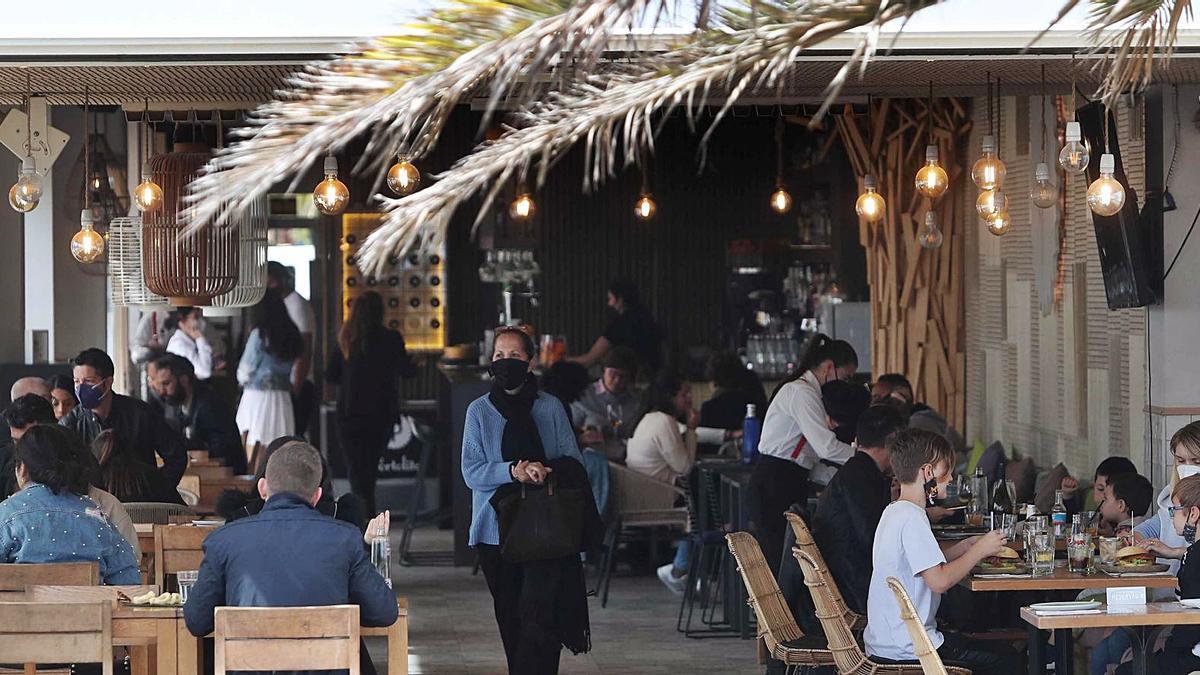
pixel 265 411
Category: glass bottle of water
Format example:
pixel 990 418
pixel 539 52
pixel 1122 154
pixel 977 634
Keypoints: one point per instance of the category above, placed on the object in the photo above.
pixel 381 556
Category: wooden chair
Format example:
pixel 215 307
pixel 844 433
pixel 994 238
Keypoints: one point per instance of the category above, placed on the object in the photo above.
pixel 207 473
pixel 806 542
pixel 53 593
pixel 776 626
pixel 177 548
pixel 923 647
pixel 847 654
pixel 34 632
pixel 636 501
pixel 286 638
pixel 157 513
pixel 14 577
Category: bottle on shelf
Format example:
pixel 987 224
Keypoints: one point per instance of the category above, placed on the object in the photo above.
pixel 1058 516
pixel 751 431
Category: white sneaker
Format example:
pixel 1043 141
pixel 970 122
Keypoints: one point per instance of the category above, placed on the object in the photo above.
pixel 672 582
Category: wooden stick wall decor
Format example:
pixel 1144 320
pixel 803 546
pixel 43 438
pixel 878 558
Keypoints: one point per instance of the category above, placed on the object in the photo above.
pixel 916 294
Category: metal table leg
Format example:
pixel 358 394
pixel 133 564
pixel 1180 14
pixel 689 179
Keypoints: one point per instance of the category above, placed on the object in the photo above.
pixel 1037 650
pixel 1142 639
pixel 1064 646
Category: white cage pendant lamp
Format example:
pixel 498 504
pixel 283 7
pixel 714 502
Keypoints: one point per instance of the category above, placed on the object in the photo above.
pixel 125 265
pixel 252 263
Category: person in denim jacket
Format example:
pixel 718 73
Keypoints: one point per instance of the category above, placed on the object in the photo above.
pixel 51 519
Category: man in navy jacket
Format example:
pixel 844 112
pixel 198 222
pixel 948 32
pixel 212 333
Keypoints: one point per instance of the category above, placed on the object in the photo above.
pixel 288 555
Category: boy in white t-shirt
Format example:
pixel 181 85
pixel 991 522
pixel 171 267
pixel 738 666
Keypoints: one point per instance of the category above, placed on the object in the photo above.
pixel 906 549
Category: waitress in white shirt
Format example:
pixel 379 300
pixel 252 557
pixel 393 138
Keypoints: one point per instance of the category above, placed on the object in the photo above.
pixel 796 438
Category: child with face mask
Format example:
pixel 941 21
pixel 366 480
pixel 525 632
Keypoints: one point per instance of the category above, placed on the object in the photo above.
pixel 1181 653
pixel 1158 534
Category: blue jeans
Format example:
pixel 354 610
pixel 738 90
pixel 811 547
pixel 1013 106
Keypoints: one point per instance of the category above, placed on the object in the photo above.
pixel 1108 652
pixel 682 547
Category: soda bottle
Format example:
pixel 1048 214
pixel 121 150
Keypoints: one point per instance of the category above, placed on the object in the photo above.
pixel 1058 516
pixel 751 431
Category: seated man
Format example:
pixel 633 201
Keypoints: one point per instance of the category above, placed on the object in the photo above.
pixel 29 385
pixel 849 508
pixel 895 388
pixel 20 415
pixel 51 519
pixel 609 410
pixel 135 423
pixel 194 412
pixel 289 554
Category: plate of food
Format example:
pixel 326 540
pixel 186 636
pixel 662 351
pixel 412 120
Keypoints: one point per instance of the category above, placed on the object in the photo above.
pixel 1134 560
pixel 152 599
pixel 1007 561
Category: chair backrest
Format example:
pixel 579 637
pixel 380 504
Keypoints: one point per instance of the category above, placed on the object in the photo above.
pixel 923 647
pixel 631 491
pixel 45 593
pixel 286 638
pixel 158 513
pixel 209 472
pixel 177 548
pixel 848 656
pixel 34 632
pixel 808 544
pixel 16 576
pixel 775 621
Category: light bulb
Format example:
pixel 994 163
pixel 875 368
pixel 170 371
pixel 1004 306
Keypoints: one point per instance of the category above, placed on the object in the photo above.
pixel 1106 195
pixel 991 202
pixel 522 207
pixel 988 171
pixel 870 205
pixel 932 180
pixel 1074 155
pixel 148 195
pixel 29 185
pixel 1044 193
pixel 645 208
pixel 19 205
pixel 781 200
pixel 930 236
pixel 87 245
pixel 331 195
pixel 999 224
pixel 403 178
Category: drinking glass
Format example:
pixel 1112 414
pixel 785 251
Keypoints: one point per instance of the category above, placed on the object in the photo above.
pixel 1079 554
pixel 186 579
pixel 381 557
pixel 1108 549
pixel 964 489
pixel 1007 522
pixel 1041 556
pixel 1091 524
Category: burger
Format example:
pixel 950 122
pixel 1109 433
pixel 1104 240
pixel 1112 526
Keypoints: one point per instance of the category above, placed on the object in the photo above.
pixel 1134 556
pixel 1007 558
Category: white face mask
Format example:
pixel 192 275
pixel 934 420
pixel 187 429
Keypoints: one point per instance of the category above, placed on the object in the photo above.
pixel 1187 470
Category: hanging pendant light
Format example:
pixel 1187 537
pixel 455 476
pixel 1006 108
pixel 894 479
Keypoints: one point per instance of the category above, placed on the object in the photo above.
pixel 17 203
pixel 403 178
pixel 331 195
pixel 29 185
pixel 1075 154
pixel 781 199
pixel 988 171
pixel 870 205
pixel 645 208
pixel 932 180
pixel 1106 195
pixel 930 237
pixel 25 195
pixel 1043 193
pixel 87 245
pixel 523 207
pixel 999 224
pixel 991 202
pixel 148 195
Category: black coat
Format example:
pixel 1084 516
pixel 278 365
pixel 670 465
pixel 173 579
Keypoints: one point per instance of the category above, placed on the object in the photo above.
pixel 139 427
pixel 213 427
pixel 844 525
pixel 370 380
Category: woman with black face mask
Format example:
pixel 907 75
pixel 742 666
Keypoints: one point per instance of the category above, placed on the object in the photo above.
pixel 517 434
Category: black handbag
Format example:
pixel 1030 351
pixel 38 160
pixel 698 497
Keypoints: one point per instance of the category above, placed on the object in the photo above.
pixel 540 522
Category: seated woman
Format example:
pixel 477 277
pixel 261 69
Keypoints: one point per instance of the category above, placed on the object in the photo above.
pixel 52 519
pixel 234 504
pixel 62 395
pixel 128 478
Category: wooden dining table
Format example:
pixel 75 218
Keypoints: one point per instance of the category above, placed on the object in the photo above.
pixel 1142 622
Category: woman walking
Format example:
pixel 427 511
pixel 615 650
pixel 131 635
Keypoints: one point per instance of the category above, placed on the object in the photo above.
pixel 265 412
pixel 511 435
pixel 367 362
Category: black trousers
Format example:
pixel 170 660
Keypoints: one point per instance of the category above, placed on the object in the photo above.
pixel 303 405
pixel 983 657
pixel 363 440
pixel 775 485
pixel 504 580
pixel 1166 663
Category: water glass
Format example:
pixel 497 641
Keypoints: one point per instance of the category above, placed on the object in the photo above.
pixel 1041 554
pixel 1079 554
pixel 381 557
pixel 186 579
pixel 1108 550
pixel 1008 523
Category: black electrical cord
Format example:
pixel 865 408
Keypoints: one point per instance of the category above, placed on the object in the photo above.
pixel 1183 243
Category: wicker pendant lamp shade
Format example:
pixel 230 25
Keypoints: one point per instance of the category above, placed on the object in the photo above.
pixel 192 270
pixel 125 265
pixel 251 228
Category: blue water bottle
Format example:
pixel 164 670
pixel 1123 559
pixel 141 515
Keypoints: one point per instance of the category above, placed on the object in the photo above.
pixel 751 431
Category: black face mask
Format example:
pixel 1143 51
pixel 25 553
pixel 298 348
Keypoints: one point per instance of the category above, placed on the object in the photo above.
pixel 509 373
pixel 931 489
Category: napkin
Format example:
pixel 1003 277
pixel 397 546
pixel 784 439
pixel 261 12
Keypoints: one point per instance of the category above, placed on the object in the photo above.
pixel 1066 612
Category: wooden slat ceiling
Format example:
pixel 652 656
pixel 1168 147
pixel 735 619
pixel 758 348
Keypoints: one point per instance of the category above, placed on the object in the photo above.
pixel 232 85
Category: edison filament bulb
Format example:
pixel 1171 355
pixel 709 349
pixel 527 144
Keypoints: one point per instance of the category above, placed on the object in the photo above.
pixel 522 207
pixel 29 185
pixel 781 201
pixel 645 208
pixel 1074 155
pixel 19 205
pixel 999 224
pixel 932 180
pixel 331 195
pixel 1106 195
pixel 991 202
pixel 403 178
pixel 930 236
pixel 148 195
pixel 87 245
pixel 870 205
pixel 1044 193
pixel 988 171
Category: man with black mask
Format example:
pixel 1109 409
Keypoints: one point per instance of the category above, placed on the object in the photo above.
pixel 193 411
pixel 134 422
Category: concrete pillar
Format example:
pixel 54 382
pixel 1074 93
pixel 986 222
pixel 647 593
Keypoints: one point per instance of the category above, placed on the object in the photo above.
pixel 40 277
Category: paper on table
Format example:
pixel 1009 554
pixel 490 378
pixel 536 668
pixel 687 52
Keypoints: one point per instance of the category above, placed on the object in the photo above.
pixel 1066 612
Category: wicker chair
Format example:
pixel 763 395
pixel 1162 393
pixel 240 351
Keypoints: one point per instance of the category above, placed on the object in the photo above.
pixel 806 542
pixel 923 647
pixel 776 626
pixel 847 654
pixel 155 513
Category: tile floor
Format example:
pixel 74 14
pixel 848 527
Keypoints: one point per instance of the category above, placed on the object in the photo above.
pixel 452 630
